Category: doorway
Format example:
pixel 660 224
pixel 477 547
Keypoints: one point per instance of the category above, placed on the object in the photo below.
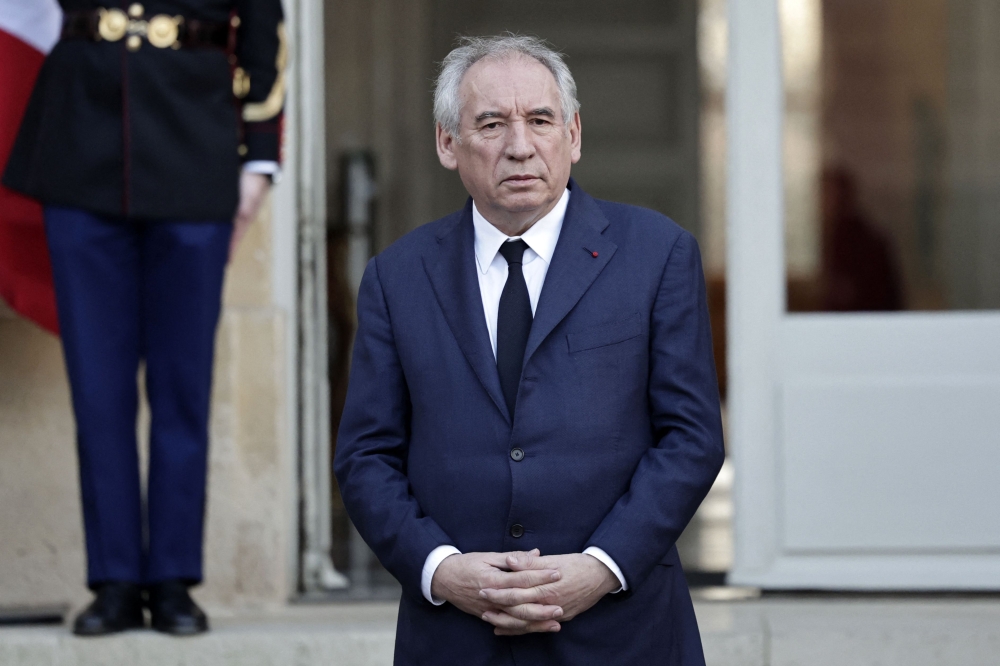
pixel 637 70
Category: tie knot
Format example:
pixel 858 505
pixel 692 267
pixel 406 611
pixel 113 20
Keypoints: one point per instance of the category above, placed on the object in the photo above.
pixel 513 251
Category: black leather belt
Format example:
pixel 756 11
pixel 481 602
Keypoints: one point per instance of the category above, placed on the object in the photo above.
pixel 161 31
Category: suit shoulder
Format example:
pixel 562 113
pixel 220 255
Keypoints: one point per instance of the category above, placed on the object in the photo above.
pixel 644 224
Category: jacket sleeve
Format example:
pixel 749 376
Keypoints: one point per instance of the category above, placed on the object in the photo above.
pixel 262 54
pixel 676 473
pixel 372 446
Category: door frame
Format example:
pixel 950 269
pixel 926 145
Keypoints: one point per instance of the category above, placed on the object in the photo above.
pixel 754 274
pixel 300 214
pixel 770 351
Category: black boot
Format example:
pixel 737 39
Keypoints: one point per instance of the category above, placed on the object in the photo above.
pixel 174 611
pixel 117 607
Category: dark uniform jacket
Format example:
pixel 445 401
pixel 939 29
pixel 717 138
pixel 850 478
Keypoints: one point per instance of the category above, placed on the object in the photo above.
pixel 126 128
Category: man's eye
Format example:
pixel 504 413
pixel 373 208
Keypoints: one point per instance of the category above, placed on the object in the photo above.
pixel 491 126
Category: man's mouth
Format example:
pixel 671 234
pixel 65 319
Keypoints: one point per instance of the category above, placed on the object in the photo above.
pixel 521 178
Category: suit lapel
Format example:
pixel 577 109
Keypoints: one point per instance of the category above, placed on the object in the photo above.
pixel 574 266
pixel 452 272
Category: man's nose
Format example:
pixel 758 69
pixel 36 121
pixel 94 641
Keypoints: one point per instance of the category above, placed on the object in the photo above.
pixel 519 144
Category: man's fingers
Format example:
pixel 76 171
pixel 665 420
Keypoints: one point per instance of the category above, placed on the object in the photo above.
pixel 253 187
pixel 499 560
pixel 504 621
pixel 545 626
pixel 240 226
pixel 523 561
pixel 518 556
pixel 509 623
pixel 515 596
pixel 525 579
pixel 534 612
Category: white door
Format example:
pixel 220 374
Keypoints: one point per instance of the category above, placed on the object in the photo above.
pixel 866 446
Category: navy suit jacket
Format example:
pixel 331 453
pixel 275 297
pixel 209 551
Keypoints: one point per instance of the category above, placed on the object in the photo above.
pixel 617 415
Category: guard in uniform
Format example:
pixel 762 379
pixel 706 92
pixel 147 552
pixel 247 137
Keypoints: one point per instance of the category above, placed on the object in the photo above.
pixel 153 129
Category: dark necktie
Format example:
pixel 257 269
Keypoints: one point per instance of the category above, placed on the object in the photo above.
pixel 513 323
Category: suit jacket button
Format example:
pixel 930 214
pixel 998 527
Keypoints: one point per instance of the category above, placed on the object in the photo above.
pixel 516 531
pixel 517 455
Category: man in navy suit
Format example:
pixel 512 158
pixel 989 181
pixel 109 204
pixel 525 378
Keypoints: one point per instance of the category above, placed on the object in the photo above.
pixel 533 416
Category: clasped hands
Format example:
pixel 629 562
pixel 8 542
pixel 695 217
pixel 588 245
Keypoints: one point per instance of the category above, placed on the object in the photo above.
pixel 520 593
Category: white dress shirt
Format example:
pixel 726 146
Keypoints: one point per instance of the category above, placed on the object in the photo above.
pixel 265 168
pixel 541 239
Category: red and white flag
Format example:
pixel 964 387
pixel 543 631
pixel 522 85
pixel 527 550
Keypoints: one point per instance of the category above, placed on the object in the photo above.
pixel 28 30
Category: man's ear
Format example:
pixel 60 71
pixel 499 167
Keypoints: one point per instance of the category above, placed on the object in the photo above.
pixel 446 148
pixel 575 137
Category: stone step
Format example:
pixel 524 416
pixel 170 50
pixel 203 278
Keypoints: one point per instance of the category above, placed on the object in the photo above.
pixel 356 634
pixel 810 631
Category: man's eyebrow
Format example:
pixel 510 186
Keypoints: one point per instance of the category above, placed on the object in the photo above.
pixel 489 114
pixel 543 111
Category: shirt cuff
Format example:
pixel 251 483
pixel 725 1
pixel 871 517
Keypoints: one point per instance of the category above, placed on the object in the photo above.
pixel 265 168
pixel 606 560
pixel 431 564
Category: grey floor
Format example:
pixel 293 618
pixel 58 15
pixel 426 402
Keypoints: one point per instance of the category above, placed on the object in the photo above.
pixel 780 631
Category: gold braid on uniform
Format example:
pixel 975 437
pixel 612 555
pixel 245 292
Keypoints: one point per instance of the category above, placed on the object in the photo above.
pixel 259 111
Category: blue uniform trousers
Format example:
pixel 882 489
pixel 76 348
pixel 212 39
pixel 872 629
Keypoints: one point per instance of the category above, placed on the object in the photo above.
pixel 131 290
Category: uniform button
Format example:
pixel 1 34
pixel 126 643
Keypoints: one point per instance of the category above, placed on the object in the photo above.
pixel 517 455
pixel 136 10
pixel 133 43
pixel 242 150
pixel 516 531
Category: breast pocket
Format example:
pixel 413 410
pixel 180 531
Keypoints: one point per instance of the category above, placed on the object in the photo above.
pixel 605 335
pixel 605 382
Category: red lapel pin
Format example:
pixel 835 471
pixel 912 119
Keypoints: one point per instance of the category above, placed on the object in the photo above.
pixel 593 254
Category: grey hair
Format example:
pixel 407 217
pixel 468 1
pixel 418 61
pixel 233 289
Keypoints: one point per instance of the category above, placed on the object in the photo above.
pixel 448 102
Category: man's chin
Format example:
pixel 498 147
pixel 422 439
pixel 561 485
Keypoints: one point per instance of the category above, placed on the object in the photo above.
pixel 524 209
pixel 523 201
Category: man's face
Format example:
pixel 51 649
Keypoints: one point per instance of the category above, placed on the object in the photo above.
pixel 514 150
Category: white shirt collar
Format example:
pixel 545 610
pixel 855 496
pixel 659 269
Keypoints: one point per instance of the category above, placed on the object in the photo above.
pixel 541 237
